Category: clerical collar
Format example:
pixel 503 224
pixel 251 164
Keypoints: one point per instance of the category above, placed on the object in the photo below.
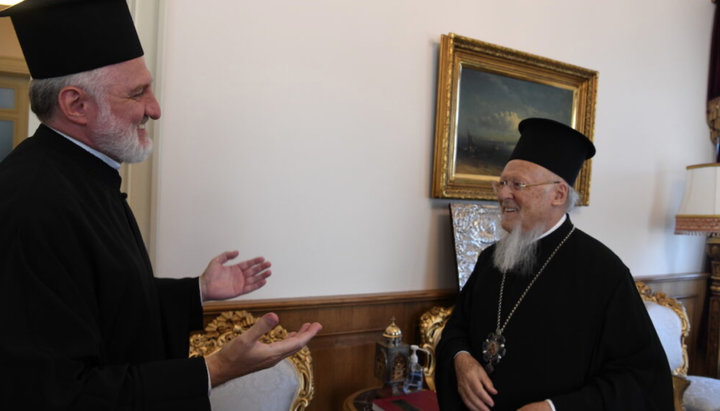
pixel 104 158
pixel 555 227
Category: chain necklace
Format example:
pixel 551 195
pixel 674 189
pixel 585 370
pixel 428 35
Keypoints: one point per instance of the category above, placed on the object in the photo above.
pixel 494 346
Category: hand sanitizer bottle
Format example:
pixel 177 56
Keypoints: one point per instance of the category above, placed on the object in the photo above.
pixel 414 380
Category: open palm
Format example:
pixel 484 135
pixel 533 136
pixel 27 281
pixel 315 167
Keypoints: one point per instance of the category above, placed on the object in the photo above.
pixel 221 280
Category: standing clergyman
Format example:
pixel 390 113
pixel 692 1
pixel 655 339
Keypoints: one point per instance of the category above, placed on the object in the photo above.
pixel 86 325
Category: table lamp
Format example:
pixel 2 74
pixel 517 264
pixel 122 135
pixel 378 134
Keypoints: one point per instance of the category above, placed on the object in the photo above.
pixel 700 214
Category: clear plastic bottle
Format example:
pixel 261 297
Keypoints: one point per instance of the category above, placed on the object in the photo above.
pixel 414 379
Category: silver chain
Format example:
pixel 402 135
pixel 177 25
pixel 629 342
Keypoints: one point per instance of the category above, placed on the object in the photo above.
pixel 502 287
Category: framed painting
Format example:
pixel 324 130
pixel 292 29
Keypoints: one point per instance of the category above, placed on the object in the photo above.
pixel 483 92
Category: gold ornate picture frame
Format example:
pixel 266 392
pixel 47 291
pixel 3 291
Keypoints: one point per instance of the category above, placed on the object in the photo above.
pixel 483 92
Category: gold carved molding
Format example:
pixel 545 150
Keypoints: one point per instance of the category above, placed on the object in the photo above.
pixel 664 300
pixel 713 118
pixel 230 324
pixel 432 323
pixel 459 53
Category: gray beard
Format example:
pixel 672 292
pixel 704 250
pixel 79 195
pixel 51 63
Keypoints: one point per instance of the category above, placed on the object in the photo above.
pixel 117 140
pixel 517 251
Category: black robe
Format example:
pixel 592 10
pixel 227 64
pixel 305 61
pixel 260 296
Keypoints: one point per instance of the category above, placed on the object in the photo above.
pixel 85 324
pixel 581 337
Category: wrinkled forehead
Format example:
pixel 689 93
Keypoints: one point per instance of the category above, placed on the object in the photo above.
pixel 522 170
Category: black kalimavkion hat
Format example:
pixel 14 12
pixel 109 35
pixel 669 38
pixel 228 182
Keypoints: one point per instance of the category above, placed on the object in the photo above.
pixel 553 145
pixel 61 37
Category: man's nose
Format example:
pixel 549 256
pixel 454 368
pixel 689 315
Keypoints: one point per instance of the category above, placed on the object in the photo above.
pixel 502 192
pixel 152 108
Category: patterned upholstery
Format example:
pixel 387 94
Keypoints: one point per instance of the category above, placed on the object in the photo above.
pixel 286 386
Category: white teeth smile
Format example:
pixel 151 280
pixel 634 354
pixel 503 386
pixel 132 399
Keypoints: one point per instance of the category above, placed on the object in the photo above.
pixel 141 126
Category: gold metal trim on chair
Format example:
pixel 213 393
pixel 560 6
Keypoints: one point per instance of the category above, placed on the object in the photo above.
pixel 432 323
pixel 662 299
pixel 230 324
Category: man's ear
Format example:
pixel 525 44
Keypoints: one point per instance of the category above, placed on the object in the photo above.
pixel 561 194
pixel 74 104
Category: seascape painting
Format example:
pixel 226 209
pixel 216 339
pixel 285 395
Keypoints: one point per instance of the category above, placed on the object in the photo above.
pixel 484 92
pixel 490 106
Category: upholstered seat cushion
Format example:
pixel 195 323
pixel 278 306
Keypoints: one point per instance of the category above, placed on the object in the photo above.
pixel 287 385
pixel 271 389
pixel 669 328
pixel 703 394
pixel 680 384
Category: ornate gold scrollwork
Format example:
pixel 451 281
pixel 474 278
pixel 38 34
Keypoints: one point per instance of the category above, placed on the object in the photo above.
pixel 713 119
pixel 229 324
pixel 662 299
pixel 432 323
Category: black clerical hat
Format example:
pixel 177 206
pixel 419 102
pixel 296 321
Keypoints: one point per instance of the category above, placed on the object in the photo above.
pixel 61 37
pixel 553 145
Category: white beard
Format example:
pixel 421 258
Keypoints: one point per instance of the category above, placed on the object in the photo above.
pixel 517 251
pixel 117 140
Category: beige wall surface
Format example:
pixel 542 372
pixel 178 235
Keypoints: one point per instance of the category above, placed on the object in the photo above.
pixel 9 46
pixel 303 131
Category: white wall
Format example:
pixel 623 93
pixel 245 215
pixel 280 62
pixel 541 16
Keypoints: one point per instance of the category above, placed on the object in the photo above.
pixel 303 131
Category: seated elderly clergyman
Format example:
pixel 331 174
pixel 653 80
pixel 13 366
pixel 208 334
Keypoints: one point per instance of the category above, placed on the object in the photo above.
pixel 550 318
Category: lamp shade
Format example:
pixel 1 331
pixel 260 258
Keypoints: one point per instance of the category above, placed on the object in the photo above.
pixel 700 208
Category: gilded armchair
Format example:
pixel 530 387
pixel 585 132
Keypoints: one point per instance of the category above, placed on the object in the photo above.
pixel 286 386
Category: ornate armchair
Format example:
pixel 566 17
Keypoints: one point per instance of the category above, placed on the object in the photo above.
pixel 286 386
pixel 432 323
pixel 692 393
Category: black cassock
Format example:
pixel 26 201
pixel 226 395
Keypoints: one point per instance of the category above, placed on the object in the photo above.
pixel 581 337
pixel 85 324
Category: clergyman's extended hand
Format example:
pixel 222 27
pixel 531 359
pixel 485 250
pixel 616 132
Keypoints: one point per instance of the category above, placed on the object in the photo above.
pixel 245 353
pixel 474 385
pixel 221 280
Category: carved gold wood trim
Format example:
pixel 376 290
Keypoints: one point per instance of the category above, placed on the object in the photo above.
pixel 713 118
pixel 432 323
pixel 662 299
pixel 230 324
pixel 457 52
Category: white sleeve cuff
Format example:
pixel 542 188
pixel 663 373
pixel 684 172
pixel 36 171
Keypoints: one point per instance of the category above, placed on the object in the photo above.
pixel 200 291
pixel 207 370
pixel 463 351
pixel 552 406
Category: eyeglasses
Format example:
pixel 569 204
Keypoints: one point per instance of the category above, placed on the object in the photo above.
pixel 516 186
